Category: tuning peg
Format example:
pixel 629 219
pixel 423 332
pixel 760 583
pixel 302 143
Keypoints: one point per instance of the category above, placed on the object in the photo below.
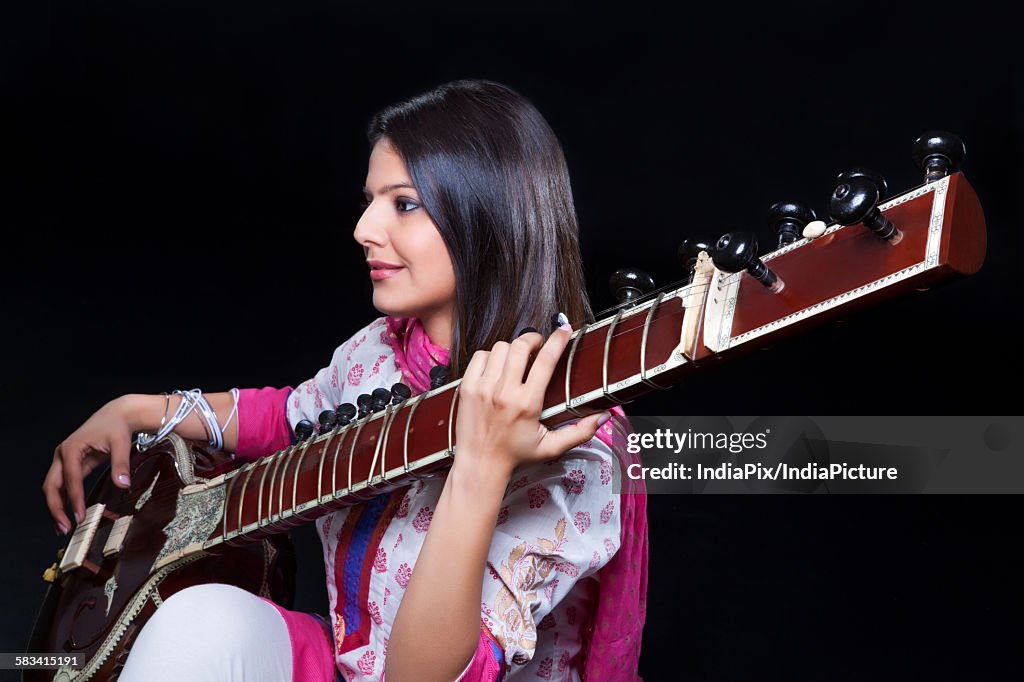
pixel 438 376
pixel 855 200
pixel 629 284
pixel 788 220
pixel 346 412
pixel 400 393
pixel 381 398
pixel 737 251
pixel 328 420
pixel 938 154
pixel 688 251
pixel 364 402
pixel 880 183
pixel 304 429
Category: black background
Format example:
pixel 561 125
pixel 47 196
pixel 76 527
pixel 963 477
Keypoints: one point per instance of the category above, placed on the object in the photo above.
pixel 182 182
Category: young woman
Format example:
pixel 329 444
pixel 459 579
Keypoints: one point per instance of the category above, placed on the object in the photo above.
pixel 526 563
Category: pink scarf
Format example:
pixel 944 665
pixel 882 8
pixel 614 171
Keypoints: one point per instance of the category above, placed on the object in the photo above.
pixel 611 643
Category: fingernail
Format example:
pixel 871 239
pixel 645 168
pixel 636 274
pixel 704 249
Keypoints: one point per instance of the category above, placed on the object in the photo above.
pixel 78 517
pixel 559 320
pixel 604 417
pixel 62 529
pixel 526 330
pixel 124 480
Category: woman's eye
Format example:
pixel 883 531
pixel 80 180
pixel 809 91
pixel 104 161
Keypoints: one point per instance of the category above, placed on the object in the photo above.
pixel 406 205
pixel 364 203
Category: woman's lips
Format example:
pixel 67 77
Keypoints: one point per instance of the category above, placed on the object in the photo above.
pixel 383 273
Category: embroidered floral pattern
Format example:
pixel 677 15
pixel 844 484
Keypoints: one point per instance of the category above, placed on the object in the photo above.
pixel 596 561
pixel 422 521
pixel 582 521
pixel 355 374
pixel 609 547
pixel 387 593
pixel 367 663
pixel 376 365
pixel 380 561
pixel 403 508
pixel 544 671
pixel 563 662
pixel 522 572
pixel 374 612
pixel 549 591
pixel 607 512
pixel 502 516
pixel 547 622
pixel 538 496
pixel 568 568
pixel 403 575
pixel 334 376
pixel 574 481
pixel 517 484
pixel 606 472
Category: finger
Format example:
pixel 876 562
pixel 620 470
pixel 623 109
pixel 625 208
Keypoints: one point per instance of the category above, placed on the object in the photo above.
pixel 73 481
pixel 519 355
pixel 566 438
pixel 475 368
pixel 495 364
pixel 546 360
pixel 120 452
pixel 52 491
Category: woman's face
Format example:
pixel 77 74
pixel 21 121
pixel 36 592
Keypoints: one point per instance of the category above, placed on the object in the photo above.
pixel 409 265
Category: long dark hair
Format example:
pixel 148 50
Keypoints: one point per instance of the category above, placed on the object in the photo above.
pixel 492 176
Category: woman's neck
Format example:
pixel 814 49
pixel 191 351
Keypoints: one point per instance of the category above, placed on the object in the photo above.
pixel 439 329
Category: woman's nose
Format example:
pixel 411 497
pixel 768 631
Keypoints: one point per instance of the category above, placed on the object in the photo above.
pixel 369 229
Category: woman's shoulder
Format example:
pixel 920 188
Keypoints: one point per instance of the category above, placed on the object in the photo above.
pixel 375 334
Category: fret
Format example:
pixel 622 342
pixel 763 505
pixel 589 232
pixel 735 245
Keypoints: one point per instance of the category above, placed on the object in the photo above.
pixel 298 468
pixel 351 456
pixel 263 479
pixel 643 345
pixel 389 414
pixel 241 495
pixel 232 477
pixel 451 419
pixel 284 480
pixel 320 473
pixel 384 447
pixel 604 364
pixel 273 479
pixel 408 424
pixel 337 451
pixel 568 371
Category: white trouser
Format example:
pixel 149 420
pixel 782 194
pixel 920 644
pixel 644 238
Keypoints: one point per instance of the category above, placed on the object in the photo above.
pixel 212 632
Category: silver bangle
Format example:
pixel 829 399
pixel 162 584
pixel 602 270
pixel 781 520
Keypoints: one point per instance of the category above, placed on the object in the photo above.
pixel 234 408
pixel 216 437
pixel 185 407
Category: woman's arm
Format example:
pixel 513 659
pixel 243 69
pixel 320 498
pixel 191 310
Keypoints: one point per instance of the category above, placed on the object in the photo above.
pixel 438 624
pixel 497 429
pixel 144 412
pixel 107 433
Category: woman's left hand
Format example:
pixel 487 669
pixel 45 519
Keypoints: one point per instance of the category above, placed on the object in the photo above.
pixel 498 426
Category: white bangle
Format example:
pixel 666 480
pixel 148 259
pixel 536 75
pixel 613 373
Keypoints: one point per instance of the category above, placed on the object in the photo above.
pixel 216 437
pixel 234 408
pixel 185 407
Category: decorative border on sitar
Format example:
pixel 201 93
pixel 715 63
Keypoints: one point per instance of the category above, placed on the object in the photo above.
pixel 931 259
pixel 130 612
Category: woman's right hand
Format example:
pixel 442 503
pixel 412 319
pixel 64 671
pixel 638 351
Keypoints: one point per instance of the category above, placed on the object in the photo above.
pixel 107 433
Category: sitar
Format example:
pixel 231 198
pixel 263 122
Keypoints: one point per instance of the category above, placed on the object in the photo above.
pixel 195 515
